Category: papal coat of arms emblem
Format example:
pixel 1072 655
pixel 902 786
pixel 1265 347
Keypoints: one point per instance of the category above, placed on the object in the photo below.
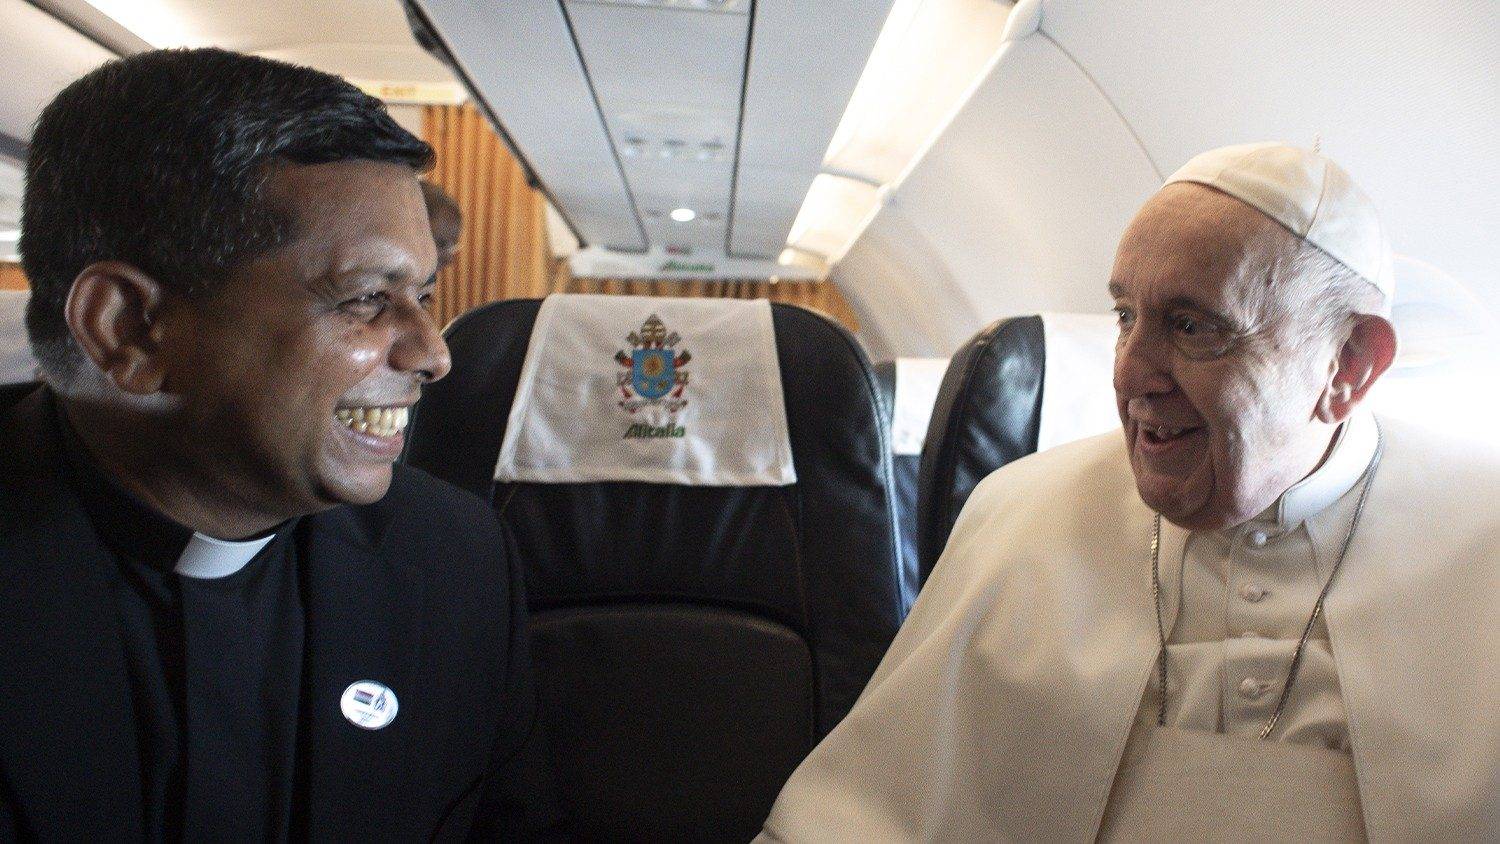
pixel 654 373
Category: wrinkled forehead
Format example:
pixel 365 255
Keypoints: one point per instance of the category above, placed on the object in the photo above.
pixel 1190 240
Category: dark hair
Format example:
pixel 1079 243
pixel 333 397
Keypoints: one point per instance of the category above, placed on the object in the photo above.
pixel 159 160
pixel 443 213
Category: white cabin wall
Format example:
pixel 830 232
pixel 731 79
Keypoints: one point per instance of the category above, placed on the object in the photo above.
pixel 898 318
pixel 1406 96
pixel 1018 207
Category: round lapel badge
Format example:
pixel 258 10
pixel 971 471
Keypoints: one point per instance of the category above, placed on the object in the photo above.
pixel 369 704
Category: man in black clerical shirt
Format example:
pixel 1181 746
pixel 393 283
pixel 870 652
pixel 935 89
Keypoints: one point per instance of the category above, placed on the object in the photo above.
pixel 226 614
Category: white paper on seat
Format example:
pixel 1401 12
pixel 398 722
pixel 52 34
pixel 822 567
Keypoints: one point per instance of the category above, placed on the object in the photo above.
pixel 917 384
pixel 16 363
pixel 639 388
pixel 1078 394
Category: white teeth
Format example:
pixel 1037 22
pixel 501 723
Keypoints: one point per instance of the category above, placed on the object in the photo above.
pixel 380 421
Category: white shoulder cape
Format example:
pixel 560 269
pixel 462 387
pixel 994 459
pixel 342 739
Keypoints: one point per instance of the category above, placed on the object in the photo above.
pixel 1003 707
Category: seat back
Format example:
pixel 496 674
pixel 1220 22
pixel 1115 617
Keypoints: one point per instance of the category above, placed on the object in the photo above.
pixel 993 405
pixel 903 474
pixel 909 387
pixel 691 644
pixel 11 394
pixel 987 414
pixel 17 365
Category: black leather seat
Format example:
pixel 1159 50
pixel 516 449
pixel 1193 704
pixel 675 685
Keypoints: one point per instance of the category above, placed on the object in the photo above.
pixel 12 393
pixel 904 491
pixel 988 413
pixel 692 644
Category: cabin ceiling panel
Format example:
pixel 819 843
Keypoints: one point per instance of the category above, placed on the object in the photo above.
pixel 373 62
pixel 805 59
pixel 39 56
pixel 272 24
pixel 1404 95
pixel 668 84
pixel 660 60
pixel 521 57
pixel 1018 206
pixel 368 40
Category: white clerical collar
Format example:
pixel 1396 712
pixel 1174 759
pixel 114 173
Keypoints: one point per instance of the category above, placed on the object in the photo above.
pixel 1353 449
pixel 207 558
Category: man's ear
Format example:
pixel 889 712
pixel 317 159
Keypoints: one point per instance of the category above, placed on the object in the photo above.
pixel 113 311
pixel 1363 358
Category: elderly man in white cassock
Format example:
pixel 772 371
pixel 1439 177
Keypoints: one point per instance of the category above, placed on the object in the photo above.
pixel 1270 616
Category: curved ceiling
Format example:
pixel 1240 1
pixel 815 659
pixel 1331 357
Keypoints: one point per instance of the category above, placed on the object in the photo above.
pixel 1019 205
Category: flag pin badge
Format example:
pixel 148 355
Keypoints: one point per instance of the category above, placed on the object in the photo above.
pixel 369 704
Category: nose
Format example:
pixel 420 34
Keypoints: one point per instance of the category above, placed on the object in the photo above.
pixel 419 347
pixel 1141 365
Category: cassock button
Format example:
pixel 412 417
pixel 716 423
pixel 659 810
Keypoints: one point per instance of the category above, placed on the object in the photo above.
pixel 369 704
pixel 1256 538
pixel 1251 688
pixel 1252 593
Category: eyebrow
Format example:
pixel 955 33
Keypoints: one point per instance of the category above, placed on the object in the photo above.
pixel 388 275
pixel 1226 320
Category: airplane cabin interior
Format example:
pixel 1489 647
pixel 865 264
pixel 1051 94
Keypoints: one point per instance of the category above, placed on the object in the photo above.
pixel 750 297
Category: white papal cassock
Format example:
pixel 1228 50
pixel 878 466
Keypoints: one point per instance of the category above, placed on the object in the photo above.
pixel 1004 707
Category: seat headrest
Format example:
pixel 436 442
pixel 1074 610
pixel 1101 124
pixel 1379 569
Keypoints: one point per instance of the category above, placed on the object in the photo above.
pixel 917 381
pixel 1020 385
pixel 1078 394
pixel 987 413
pixel 650 389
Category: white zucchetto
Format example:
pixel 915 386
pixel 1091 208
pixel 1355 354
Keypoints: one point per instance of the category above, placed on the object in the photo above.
pixel 1310 195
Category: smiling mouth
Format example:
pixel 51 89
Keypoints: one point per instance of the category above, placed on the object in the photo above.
pixel 1162 440
pixel 376 421
pixel 1161 435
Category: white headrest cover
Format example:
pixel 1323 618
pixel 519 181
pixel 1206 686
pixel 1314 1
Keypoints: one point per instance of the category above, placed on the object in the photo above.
pixel 917 383
pixel 1078 395
pixel 657 390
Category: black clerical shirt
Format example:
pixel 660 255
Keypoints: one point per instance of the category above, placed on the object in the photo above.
pixel 214 665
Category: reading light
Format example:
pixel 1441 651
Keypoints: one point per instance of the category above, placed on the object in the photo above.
pixel 834 213
pixel 927 62
pixel 152 21
pixel 684 215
